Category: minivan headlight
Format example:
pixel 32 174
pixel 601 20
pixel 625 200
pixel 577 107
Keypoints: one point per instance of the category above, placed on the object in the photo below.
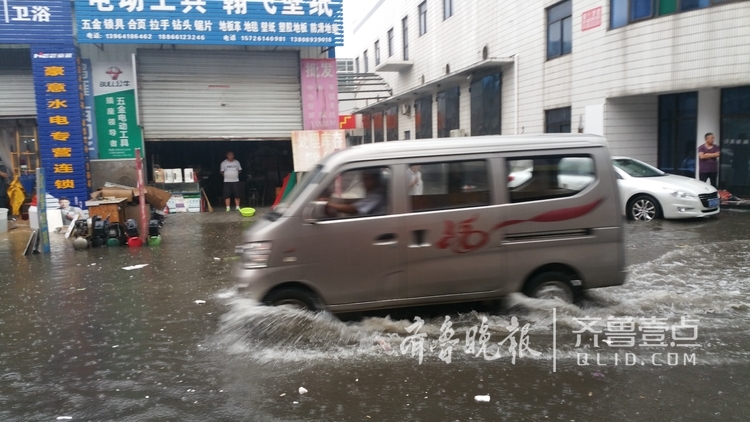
pixel 256 254
pixel 680 194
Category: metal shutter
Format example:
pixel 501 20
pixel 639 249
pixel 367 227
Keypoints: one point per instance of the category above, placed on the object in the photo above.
pixel 205 95
pixel 17 93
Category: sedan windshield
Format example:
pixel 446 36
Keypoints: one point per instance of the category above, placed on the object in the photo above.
pixel 636 168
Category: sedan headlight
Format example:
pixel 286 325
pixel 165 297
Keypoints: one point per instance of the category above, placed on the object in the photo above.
pixel 680 194
pixel 255 254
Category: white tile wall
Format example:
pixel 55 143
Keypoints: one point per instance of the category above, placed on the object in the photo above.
pixel 626 68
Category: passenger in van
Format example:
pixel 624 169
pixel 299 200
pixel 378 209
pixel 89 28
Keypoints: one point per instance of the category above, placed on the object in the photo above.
pixel 414 176
pixel 372 204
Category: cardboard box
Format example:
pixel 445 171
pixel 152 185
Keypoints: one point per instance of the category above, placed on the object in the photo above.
pixel 157 198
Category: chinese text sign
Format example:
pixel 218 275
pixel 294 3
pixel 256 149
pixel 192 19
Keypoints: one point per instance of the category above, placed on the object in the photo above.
pixel 30 21
pixel 62 128
pixel 311 146
pixel 320 101
pixel 118 133
pixel 591 19
pixel 222 22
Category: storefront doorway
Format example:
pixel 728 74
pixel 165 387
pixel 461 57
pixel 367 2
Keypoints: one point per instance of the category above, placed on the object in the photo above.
pixel 264 163
pixel 678 126
pixel 735 140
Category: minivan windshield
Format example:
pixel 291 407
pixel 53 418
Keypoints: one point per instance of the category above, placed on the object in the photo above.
pixel 312 177
pixel 636 168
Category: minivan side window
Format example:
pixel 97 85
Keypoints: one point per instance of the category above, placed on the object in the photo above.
pixel 548 177
pixel 448 185
pixel 358 193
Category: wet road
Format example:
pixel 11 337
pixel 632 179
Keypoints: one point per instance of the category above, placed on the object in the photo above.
pixel 82 338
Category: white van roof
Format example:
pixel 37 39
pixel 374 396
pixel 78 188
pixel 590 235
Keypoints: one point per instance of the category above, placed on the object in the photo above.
pixel 462 145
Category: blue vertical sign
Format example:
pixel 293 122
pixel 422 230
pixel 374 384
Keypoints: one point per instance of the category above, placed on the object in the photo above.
pixel 88 107
pixel 29 21
pixel 61 127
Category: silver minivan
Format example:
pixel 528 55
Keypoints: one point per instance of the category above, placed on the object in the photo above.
pixel 436 221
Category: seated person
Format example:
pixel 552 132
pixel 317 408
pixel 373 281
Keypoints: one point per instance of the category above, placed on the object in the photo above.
pixel 372 204
pixel 68 213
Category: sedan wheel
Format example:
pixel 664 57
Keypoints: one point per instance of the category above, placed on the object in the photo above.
pixel 643 208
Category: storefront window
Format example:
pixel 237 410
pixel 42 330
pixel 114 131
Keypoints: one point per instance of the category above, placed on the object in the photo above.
pixel 734 140
pixel 447 103
pixel 377 125
pixel 19 137
pixel 557 120
pixel 391 124
pixel 678 133
pixel 367 126
pixel 423 120
pixel 485 105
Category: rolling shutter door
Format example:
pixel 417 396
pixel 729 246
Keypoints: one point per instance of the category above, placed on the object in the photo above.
pixel 17 94
pixel 204 95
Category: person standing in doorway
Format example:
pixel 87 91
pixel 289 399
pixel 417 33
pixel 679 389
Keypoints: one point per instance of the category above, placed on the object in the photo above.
pixel 708 160
pixel 230 169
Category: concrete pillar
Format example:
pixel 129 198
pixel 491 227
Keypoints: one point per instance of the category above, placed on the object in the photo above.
pixel 709 118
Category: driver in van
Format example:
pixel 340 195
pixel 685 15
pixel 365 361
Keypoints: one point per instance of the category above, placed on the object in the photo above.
pixel 372 204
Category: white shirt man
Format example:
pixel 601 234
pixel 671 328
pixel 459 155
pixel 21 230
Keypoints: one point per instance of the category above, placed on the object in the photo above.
pixel 414 177
pixel 230 169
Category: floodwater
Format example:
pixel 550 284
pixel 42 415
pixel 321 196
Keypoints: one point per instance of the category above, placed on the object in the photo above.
pixel 83 339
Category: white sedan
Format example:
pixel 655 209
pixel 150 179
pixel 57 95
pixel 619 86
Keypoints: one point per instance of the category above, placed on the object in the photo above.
pixel 648 192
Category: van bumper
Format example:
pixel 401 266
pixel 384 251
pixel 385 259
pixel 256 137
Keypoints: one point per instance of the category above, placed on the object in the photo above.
pixel 250 282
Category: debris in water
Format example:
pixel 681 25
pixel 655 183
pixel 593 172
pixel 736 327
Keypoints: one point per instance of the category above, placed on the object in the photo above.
pixel 482 399
pixel 64 418
pixel 282 395
pixel 598 375
pixel 217 259
pixel 295 402
pixel 590 394
pixel 303 390
pixel 200 302
pixel 80 290
pixel 134 267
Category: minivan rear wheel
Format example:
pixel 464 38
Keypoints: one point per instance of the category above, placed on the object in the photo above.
pixel 551 285
pixel 296 298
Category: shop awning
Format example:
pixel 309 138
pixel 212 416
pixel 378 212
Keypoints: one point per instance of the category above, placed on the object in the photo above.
pixel 451 79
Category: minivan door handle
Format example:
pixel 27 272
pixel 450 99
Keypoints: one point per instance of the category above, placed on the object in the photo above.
pixel 386 239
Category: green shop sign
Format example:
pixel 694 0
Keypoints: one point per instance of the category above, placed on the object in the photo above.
pixel 117 127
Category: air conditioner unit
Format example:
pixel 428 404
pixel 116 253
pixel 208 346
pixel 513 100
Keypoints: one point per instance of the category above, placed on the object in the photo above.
pixel 406 109
pixel 457 133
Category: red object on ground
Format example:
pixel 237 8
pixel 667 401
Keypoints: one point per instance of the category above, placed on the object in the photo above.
pixel 281 192
pixel 135 242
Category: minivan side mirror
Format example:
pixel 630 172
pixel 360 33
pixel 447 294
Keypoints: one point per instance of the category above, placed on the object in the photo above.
pixel 314 212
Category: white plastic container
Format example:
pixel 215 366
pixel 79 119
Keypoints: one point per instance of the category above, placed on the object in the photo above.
pixel 3 220
pixel 189 176
pixel 177 175
pixel 168 176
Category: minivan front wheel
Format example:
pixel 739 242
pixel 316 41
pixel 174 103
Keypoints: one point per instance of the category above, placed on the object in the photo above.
pixel 643 208
pixel 296 298
pixel 551 285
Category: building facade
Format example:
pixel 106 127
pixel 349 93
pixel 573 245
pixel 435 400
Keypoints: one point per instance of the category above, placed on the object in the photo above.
pixel 184 80
pixel 653 76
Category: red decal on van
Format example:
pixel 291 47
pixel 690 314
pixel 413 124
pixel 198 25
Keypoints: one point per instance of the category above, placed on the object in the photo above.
pixel 556 215
pixel 463 238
